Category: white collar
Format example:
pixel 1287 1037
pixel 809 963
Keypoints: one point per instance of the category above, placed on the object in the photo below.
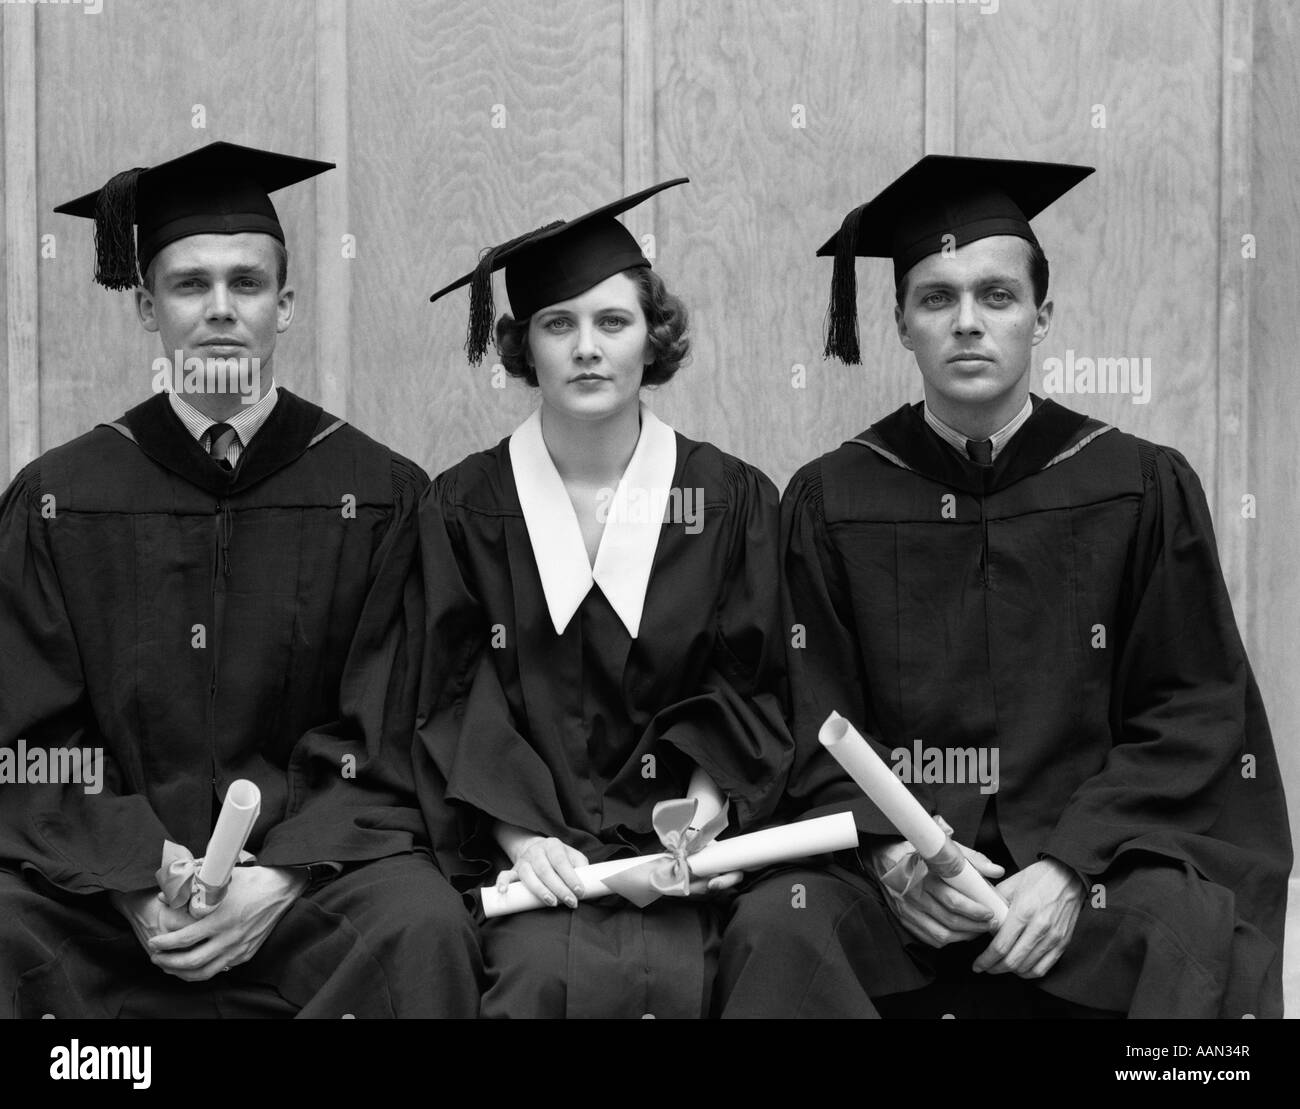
pixel 247 421
pixel 632 526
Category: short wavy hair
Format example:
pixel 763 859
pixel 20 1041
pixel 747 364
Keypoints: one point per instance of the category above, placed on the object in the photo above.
pixel 666 324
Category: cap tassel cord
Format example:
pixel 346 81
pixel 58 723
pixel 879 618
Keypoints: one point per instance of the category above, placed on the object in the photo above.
pixel 482 311
pixel 115 260
pixel 842 331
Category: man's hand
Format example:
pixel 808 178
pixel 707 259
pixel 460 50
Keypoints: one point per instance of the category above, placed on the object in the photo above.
pixel 232 933
pixel 934 912
pixel 149 915
pixel 1045 899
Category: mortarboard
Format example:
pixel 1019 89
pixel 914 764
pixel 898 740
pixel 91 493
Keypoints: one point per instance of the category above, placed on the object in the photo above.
pixel 552 263
pixel 218 189
pixel 941 195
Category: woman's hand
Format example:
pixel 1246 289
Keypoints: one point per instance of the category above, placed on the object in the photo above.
pixel 709 801
pixel 546 868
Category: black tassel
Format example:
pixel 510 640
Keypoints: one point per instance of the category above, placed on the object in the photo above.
pixel 842 329
pixel 482 311
pixel 115 261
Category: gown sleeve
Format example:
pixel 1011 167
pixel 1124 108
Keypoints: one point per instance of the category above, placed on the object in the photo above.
pixel 733 726
pixel 823 659
pixel 1192 772
pixel 462 707
pixel 82 841
pixel 351 793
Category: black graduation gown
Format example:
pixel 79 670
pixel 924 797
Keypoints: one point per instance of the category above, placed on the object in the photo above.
pixel 578 735
pixel 201 626
pixel 1066 607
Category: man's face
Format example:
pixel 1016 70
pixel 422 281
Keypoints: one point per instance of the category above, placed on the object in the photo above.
pixel 971 321
pixel 217 296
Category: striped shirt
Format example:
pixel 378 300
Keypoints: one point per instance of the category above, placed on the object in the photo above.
pixel 246 422
pixel 957 440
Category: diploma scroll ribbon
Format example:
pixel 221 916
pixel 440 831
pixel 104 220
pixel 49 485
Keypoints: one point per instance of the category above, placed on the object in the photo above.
pixel 202 883
pixel 669 874
pixel 819 836
pixel 935 847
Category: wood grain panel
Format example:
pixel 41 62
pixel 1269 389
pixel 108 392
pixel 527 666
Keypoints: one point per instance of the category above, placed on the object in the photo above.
pixel 941 78
pixel 5 470
pixel 22 380
pixel 333 277
pixel 765 194
pixel 639 48
pixel 117 90
pixel 1134 248
pixel 1233 354
pixel 445 183
pixel 1274 475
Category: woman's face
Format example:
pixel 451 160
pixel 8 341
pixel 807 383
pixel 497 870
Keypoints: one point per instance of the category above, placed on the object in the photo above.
pixel 590 352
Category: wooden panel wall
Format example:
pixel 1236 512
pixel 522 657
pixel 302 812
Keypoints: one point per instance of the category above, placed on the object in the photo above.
pixel 1274 415
pixel 5 260
pixel 21 377
pixel 458 123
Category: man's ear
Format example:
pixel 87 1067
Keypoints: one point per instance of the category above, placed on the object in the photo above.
pixel 284 309
pixel 901 323
pixel 145 308
pixel 1043 321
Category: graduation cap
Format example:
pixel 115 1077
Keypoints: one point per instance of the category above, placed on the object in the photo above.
pixel 940 196
pixel 218 189
pixel 552 263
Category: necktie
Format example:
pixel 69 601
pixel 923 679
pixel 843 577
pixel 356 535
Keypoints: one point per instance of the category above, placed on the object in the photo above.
pixel 221 436
pixel 980 451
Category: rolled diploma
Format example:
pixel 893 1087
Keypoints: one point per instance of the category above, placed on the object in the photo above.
pixel 234 824
pixel 750 851
pixel 904 811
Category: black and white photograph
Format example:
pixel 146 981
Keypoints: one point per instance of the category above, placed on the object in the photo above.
pixel 656 510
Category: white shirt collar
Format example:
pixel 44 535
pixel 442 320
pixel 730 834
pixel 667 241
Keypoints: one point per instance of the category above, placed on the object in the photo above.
pixel 999 438
pixel 632 527
pixel 247 421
